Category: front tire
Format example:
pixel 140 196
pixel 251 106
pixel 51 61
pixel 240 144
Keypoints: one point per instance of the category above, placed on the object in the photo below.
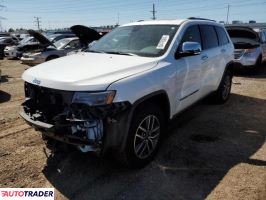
pixel 144 136
pixel 222 94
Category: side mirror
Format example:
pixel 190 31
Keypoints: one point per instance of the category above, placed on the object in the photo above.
pixel 189 49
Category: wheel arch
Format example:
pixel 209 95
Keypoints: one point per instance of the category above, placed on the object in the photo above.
pixel 158 97
pixel 118 132
pixel 230 66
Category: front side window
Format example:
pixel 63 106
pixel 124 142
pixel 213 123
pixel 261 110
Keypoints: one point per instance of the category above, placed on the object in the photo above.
pixel 192 34
pixel 209 37
pixel 141 40
pixel 222 36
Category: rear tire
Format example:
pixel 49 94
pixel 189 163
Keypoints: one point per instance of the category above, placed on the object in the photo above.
pixel 259 62
pixel 222 94
pixel 144 136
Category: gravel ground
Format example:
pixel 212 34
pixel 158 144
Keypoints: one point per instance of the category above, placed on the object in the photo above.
pixel 210 151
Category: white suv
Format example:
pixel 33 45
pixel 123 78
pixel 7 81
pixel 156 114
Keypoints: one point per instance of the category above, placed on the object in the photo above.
pixel 119 95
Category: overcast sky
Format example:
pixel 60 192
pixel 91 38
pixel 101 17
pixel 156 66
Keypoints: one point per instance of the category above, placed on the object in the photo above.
pixel 64 13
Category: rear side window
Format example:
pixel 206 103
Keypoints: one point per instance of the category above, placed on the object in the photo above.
pixel 209 37
pixel 223 39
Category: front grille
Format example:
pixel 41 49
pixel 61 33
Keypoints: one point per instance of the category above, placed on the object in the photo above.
pixel 238 53
pixel 45 101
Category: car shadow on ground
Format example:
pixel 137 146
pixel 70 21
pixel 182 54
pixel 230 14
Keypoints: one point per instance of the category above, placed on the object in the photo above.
pixel 201 146
pixel 258 72
pixel 4 97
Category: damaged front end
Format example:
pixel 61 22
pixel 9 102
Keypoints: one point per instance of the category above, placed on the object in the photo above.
pixel 77 118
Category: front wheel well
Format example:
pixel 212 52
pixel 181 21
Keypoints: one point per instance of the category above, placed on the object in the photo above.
pixel 230 66
pixel 158 98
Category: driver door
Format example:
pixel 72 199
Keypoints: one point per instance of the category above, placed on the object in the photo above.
pixel 188 71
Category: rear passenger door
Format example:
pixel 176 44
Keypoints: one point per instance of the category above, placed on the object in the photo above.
pixel 211 59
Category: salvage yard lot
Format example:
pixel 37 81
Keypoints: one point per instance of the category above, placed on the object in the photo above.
pixel 210 151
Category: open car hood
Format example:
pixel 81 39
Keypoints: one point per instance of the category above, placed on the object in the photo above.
pixel 85 34
pixel 41 38
pixel 243 32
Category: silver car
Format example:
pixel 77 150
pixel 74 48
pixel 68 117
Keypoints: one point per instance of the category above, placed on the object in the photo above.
pixel 250 45
pixel 50 50
pixel 56 50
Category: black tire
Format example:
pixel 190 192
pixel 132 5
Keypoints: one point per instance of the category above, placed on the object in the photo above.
pixel 222 94
pixel 135 154
pixel 259 62
pixel 51 58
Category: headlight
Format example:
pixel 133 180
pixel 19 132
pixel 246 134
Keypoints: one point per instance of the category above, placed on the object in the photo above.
pixel 94 99
pixel 249 52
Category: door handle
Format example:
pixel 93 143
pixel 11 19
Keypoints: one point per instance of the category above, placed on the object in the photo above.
pixel 223 50
pixel 204 57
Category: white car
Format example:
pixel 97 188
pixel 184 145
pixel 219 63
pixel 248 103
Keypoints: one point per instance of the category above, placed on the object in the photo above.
pixel 120 94
pixel 15 51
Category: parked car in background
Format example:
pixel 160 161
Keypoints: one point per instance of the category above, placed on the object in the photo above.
pixel 119 95
pixel 31 43
pixel 250 45
pixel 16 51
pixel 6 41
pixel 50 50
pixel 53 51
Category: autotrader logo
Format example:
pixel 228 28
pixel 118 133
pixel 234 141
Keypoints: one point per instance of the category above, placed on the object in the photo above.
pixel 27 193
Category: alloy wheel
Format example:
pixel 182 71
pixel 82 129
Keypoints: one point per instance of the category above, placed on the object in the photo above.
pixel 147 136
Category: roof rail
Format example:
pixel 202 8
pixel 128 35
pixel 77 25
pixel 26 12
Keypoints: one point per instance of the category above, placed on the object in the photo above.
pixel 198 18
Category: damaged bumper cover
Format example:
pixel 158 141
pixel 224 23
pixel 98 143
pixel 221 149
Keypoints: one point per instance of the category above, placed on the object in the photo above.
pixel 91 128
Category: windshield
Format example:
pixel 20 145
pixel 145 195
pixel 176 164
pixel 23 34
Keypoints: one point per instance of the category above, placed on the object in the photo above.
pixel 25 40
pixel 141 40
pixel 61 43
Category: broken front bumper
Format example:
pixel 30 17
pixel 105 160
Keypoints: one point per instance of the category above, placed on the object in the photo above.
pixel 91 128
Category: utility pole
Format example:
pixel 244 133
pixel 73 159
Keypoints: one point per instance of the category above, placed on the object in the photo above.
pixel 227 18
pixel 1 18
pixel 118 18
pixel 38 22
pixel 153 12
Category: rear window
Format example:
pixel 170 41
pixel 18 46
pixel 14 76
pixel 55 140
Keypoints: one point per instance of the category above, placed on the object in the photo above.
pixel 222 36
pixel 241 34
pixel 209 37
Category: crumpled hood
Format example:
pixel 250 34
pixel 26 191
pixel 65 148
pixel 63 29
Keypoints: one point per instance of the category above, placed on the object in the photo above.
pixel 86 71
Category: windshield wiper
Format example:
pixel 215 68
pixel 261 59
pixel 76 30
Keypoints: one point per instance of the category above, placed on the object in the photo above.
pixel 120 53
